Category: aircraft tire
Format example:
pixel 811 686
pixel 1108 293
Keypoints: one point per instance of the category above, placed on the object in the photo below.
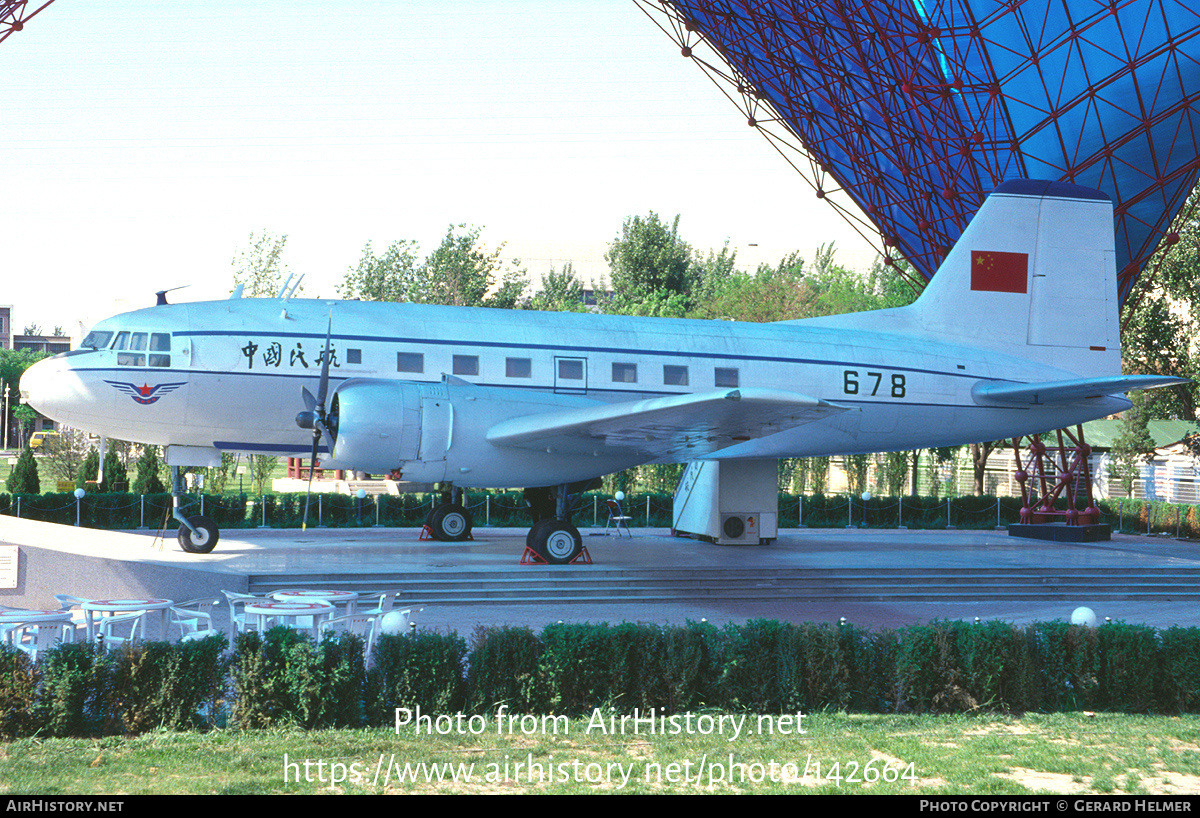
pixel 205 538
pixel 556 541
pixel 450 522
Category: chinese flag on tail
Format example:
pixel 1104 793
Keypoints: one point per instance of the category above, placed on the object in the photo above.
pixel 999 272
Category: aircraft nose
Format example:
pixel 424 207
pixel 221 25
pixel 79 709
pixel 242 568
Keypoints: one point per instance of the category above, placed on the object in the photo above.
pixel 44 388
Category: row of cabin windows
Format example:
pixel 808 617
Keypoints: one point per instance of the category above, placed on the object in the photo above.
pixel 569 369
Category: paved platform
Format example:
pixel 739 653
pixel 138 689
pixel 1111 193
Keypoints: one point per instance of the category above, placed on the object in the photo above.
pixel 105 564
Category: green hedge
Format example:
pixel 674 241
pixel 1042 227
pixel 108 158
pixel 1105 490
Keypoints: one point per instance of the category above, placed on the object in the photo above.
pixel 764 666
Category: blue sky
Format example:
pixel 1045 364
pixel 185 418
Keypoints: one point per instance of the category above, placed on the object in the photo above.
pixel 142 142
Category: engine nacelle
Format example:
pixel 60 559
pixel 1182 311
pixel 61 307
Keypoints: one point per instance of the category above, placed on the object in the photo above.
pixel 377 424
pixel 436 432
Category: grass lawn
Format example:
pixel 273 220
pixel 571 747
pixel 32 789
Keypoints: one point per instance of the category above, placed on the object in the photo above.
pixel 1060 754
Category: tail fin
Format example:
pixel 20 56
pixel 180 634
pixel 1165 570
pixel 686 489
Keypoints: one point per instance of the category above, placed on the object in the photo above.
pixel 1034 275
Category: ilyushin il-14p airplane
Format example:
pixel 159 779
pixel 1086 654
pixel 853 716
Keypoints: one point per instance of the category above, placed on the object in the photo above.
pixel 1017 333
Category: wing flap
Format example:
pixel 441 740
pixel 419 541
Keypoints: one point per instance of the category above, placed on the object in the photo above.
pixel 667 429
pixel 1006 393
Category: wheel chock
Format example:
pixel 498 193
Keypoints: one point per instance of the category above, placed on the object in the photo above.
pixel 531 557
pixel 427 534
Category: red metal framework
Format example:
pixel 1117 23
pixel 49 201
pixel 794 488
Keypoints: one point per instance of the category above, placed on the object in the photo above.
pixel 914 110
pixel 14 14
pixel 1050 472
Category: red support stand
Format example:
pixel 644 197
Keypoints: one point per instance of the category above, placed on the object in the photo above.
pixel 1048 473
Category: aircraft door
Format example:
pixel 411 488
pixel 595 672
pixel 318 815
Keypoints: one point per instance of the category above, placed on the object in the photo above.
pixel 570 376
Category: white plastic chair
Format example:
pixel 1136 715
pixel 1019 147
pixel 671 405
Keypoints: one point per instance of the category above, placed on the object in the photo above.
pixel 120 628
pixel 376 602
pixel 73 604
pixel 194 618
pixel 397 621
pixel 237 621
pixel 34 638
pixel 359 624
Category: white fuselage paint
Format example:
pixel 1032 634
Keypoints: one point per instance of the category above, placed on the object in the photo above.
pixel 236 368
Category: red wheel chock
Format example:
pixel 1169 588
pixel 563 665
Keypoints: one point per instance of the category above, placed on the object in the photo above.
pixel 531 557
pixel 426 534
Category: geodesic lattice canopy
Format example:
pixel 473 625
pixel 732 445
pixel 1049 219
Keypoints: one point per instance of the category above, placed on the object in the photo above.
pixel 917 109
pixel 15 13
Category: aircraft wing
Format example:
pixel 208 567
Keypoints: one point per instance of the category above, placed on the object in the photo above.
pixel 1007 393
pixel 680 427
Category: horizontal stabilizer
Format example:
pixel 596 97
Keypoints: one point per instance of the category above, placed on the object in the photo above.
pixel 1006 393
pixel 671 429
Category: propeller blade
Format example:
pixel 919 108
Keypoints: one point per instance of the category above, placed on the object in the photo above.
pixel 310 403
pixel 323 390
pixel 312 464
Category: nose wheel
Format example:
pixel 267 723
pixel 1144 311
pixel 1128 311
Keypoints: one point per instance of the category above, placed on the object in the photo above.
pixel 201 537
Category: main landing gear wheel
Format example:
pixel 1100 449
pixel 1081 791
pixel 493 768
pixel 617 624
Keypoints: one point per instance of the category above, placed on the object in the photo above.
pixel 450 522
pixel 203 539
pixel 555 541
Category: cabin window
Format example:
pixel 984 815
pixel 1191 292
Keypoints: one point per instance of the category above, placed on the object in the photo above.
pixel 354 356
pixel 726 377
pixel 675 375
pixel 466 364
pixel 624 373
pixel 518 367
pixel 570 369
pixel 410 362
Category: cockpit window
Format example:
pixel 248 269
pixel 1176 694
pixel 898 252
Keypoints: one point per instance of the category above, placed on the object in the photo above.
pixel 97 339
pixel 160 345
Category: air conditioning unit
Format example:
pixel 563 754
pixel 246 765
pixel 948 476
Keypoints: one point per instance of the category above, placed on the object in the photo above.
pixel 739 528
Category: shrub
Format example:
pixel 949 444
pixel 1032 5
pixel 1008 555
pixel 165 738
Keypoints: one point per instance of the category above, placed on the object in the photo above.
pixel 503 669
pixel 418 669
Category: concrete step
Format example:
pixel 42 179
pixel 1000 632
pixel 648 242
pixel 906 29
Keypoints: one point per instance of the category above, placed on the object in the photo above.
pixel 595 585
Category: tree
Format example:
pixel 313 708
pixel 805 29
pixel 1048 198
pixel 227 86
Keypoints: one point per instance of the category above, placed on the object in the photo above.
pixel 65 454
pixel 1133 445
pixel 770 294
pixel 649 263
pixel 23 479
pixel 979 457
pixel 149 473
pixel 1161 321
pixel 116 478
pixel 561 291
pixel 463 273
pixel 90 469
pixel 13 363
pixel 260 268
pixel 262 469
pixel 395 275
pixel 894 472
